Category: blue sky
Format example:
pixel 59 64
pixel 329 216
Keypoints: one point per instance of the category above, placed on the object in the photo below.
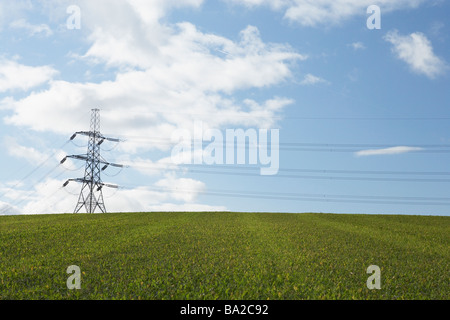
pixel 363 114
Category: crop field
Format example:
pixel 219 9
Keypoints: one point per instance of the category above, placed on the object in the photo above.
pixel 224 255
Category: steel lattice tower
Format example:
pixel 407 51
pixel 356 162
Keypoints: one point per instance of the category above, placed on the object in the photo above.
pixel 91 195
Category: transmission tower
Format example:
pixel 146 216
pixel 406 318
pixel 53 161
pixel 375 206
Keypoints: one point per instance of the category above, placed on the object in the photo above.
pixel 91 194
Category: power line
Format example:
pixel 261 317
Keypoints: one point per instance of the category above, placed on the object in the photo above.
pixel 156 139
pixel 41 164
pixel 298 176
pixel 160 166
pixel 35 169
pixel 438 201
pixel 27 197
pixel 253 115
pixel 297 146
pixel 348 178
pixel 228 170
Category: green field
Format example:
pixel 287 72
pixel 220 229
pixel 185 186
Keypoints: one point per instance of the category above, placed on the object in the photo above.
pixel 224 256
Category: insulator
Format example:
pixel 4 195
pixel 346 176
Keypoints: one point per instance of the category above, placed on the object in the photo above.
pixel 73 136
pixel 66 183
pixel 63 160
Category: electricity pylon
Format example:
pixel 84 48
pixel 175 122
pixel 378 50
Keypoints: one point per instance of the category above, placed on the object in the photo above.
pixel 91 195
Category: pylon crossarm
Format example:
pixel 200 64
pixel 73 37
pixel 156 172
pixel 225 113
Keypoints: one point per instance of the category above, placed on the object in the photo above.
pixel 107 164
pixel 75 180
pixel 96 135
pixel 80 180
pixel 78 157
pixel 84 158
pixel 109 185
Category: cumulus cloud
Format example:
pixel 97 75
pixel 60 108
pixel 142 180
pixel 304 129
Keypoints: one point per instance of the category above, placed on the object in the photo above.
pixel 47 197
pixel 14 149
pixel 182 189
pixel 358 45
pixel 417 51
pixel 166 78
pixel 310 79
pixel 388 151
pixel 16 76
pixel 31 29
pixel 157 93
pixel 10 10
pixel 158 197
pixel 326 12
pixel 7 209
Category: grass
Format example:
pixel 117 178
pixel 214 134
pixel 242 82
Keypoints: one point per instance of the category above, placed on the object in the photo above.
pixel 224 256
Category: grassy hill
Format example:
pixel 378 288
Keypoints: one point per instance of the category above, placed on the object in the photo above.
pixel 224 256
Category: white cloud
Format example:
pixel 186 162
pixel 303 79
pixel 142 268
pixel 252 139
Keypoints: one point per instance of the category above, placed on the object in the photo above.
pixel 13 148
pixel 436 28
pixel 15 76
pixel 7 209
pixel 388 151
pixel 275 4
pixel 358 45
pixel 416 50
pixel 135 199
pixel 150 168
pixel 11 10
pixel 166 78
pixel 129 33
pixel 47 197
pixel 327 12
pixel 168 194
pixel 32 29
pixel 310 79
pixel 149 96
pixel 181 189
